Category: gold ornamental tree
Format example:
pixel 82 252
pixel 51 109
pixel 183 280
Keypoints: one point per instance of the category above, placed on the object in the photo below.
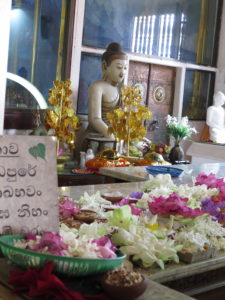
pixel 127 121
pixel 61 119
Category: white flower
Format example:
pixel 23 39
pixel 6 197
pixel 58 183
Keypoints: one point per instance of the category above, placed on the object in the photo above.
pixel 93 202
pixel 158 181
pixel 179 129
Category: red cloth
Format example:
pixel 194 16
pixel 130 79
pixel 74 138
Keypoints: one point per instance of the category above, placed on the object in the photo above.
pixel 41 282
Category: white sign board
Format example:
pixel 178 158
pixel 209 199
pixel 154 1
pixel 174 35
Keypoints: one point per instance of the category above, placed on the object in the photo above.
pixel 28 185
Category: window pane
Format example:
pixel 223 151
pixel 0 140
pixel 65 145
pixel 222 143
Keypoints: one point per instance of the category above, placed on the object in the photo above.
pixel 90 71
pixel 36 45
pixel 19 97
pixel 177 29
pixel 198 94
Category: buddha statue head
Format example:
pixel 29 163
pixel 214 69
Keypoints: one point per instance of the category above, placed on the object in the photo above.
pixel 219 99
pixel 114 64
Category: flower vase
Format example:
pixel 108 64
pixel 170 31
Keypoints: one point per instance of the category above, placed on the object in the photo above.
pixel 176 153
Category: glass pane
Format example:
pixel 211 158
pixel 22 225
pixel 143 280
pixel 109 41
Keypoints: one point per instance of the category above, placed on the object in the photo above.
pixel 36 45
pixel 17 96
pixel 177 29
pixel 90 71
pixel 198 94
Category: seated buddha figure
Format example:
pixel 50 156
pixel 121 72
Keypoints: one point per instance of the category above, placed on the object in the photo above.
pixel 215 119
pixel 103 95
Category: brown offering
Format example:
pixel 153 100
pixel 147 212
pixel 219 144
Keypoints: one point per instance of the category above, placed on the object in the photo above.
pixel 124 284
pixel 86 216
pixel 71 223
pixel 113 197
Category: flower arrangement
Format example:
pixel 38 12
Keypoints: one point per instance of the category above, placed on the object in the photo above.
pixel 68 244
pixel 126 122
pixel 61 119
pixel 179 130
pixel 173 205
pixel 211 181
pixel 197 215
pixel 215 209
pixel 67 209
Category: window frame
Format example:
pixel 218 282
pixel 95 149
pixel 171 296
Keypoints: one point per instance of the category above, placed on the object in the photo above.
pixel 180 67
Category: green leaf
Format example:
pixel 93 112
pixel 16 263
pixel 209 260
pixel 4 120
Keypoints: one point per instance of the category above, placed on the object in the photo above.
pixel 41 150
pixel 33 151
pixel 38 151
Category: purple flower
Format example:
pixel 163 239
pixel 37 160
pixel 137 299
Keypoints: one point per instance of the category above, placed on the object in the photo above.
pixel 216 209
pixel 136 195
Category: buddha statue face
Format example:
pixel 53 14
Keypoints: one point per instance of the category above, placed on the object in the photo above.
pixel 219 99
pixel 114 73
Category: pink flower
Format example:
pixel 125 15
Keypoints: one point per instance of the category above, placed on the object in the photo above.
pixel 105 247
pixel 124 201
pixel 173 205
pixel 210 180
pixel 30 236
pixel 67 209
pixel 135 210
pixel 53 242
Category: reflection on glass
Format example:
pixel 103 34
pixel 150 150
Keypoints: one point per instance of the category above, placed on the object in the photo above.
pixel 198 94
pixel 20 93
pixel 19 97
pixel 177 29
pixel 90 71
pixel 35 46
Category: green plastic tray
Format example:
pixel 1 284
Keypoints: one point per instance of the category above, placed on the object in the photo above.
pixel 65 265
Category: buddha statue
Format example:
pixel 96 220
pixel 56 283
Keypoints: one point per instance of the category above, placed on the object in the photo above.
pixel 104 94
pixel 215 119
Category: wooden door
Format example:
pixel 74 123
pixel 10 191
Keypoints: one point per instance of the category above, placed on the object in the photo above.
pixel 158 83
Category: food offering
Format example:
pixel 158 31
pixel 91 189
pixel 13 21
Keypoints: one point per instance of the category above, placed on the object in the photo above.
pixel 124 284
pixel 107 158
pixel 151 159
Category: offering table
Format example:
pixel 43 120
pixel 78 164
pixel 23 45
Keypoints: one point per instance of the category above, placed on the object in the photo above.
pixel 204 151
pixel 155 291
pixel 138 174
pixel 204 279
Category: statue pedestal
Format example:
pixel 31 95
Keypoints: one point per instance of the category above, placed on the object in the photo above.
pixel 206 152
pixel 102 142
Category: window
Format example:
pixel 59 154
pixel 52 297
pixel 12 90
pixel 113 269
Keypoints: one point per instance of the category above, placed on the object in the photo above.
pixel 37 49
pixel 177 29
pixel 174 33
pixel 198 93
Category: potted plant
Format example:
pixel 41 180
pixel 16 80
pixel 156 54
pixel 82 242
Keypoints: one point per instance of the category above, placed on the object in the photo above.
pixel 179 130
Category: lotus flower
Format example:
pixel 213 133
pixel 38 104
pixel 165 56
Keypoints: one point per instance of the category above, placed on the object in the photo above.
pixel 67 209
pixel 53 242
pixel 172 205
pixel 106 247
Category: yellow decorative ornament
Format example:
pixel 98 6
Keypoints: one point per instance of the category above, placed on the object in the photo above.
pixel 126 122
pixel 61 118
